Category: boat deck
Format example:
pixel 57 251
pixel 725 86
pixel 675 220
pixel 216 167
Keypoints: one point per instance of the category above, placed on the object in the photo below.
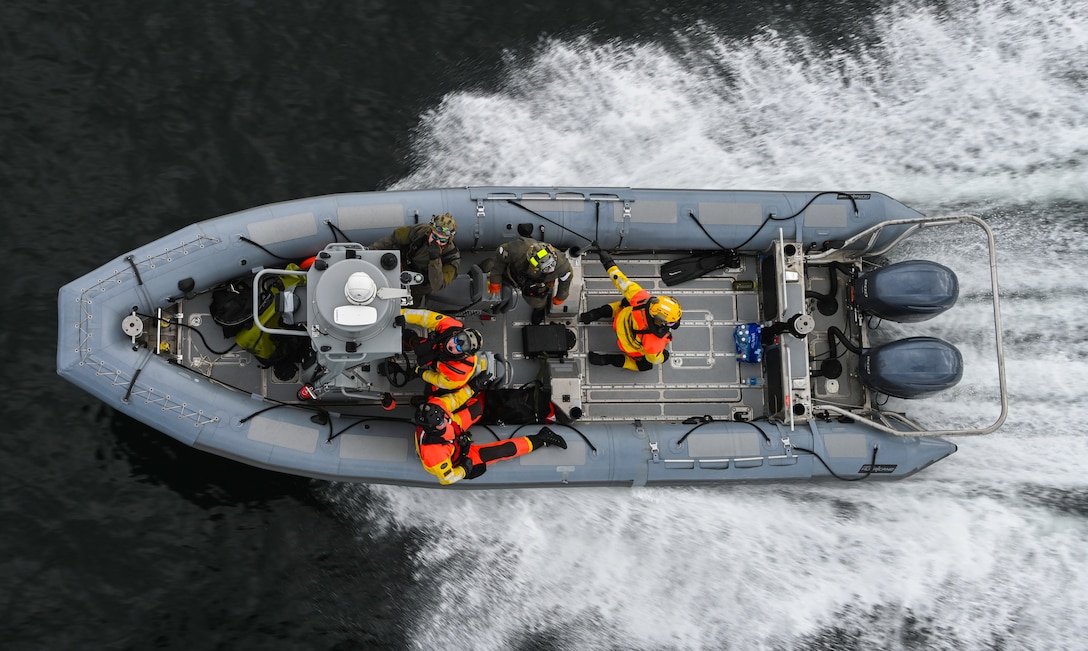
pixel 701 378
pixel 702 375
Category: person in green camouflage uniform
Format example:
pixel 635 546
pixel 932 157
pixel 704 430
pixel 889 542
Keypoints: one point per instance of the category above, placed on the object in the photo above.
pixel 428 249
pixel 532 267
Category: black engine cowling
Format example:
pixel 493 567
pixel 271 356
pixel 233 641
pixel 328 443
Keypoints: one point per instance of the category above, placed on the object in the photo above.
pixel 915 367
pixel 906 292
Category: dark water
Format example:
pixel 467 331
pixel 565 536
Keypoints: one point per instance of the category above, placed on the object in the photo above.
pixel 122 121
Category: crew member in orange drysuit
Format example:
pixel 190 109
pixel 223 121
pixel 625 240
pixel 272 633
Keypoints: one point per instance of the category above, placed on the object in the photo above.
pixel 445 447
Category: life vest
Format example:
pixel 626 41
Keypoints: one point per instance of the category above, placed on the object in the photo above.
pixel 634 333
pixel 442 370
pixel 455 371
pixel 441 452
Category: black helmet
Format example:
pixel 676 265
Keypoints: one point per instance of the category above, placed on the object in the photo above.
pixel 429 416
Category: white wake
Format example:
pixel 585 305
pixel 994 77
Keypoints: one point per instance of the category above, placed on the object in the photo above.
pixel 981 108
pixel 978 104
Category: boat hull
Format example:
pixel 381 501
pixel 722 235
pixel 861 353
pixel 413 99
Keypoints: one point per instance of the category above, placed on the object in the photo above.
pixel 173 394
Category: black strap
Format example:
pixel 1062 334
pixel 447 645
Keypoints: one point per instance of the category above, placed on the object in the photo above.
pixel 645 307
pixel 414 247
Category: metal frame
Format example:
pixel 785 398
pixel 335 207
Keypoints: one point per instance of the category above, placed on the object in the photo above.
pixel 916 225
pixel 257 302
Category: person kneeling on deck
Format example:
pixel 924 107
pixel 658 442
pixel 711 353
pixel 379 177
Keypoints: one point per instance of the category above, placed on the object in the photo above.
pixel 444 444
pixel 446 358
pixel 532 267
pixel 643 323
pixel 427 249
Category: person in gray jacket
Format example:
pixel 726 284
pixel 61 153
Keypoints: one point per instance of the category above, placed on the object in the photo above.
pixel 427 249
pixel 533 268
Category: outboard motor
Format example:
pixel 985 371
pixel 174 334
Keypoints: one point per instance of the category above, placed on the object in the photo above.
pixel 906 292
pixel 915 367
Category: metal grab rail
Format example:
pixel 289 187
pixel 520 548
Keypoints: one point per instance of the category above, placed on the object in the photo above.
pixel 257 303
pixel 916 225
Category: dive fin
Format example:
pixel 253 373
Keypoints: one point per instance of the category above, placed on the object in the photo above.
pixel 697 266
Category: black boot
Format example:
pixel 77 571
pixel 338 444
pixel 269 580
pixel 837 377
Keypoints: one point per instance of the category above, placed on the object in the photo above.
pixel 538 316
pixel 613 359
pixel 596 314
pixel 546 437
pixel 644 365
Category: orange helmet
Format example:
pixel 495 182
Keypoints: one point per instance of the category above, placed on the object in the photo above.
pixel 665 311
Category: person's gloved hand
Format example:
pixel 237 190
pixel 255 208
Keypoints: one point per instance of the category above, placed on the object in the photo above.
pixel 494 289
pixel 434 250
pixel 606 260
pixel 399 321
pixel 556 300
pixel 417 372
pixel 464 445
pixel 481 381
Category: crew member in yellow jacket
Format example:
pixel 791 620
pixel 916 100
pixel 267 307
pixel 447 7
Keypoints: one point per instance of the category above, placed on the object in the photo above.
pixel 643 323
pixel 446 359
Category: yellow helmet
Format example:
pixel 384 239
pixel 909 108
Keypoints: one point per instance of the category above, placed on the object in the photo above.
pixel 665 311
pixel 443 225
pixel 542 257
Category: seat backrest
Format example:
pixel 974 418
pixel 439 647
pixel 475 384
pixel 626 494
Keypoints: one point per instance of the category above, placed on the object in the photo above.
pixel 477 283
pixel 496 365
pixel 465 290
pixel 470 290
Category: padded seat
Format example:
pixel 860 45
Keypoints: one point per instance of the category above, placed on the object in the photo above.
pixel 469 290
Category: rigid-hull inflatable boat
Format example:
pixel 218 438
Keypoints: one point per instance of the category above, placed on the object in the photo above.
pixel 773 373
